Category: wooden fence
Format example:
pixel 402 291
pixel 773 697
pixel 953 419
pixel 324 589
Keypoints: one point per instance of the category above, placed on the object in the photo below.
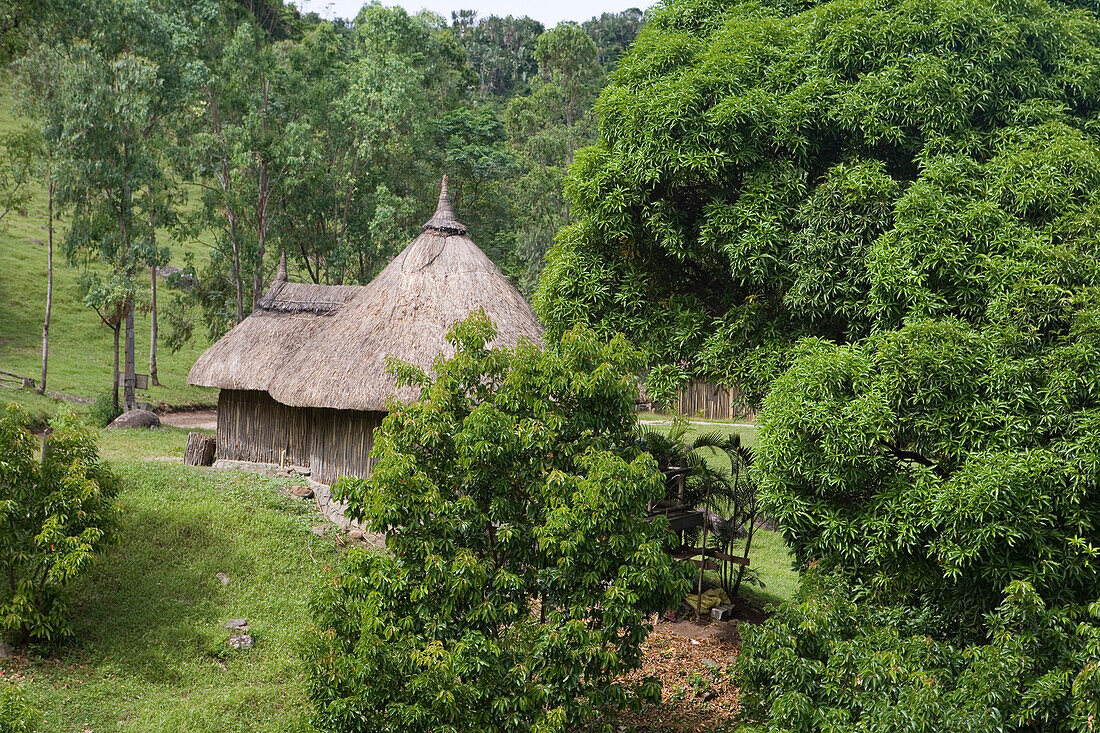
pixel 711 401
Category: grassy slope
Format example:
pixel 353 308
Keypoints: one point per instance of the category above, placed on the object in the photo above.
pixel 80 347
pixel 151 614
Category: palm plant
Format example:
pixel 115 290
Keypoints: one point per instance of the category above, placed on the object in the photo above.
pixel 727 496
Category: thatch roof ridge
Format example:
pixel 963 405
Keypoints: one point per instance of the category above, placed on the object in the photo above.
pixel 405 312
pixel 335 354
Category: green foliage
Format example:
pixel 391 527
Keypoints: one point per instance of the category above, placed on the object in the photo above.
pixel 940 462
pixel 521 569
pixel 19 152
pixel 17 715
pixel 769 171
pixel 103 411
pixel 829 663
pixel 55 511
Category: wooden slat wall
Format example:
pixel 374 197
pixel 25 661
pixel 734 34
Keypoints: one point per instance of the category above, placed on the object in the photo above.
pixel 254 427
pixel 331 443
pixel 708 400
pixel 341 443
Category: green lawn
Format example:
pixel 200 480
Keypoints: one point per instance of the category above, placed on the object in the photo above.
pixel 151 653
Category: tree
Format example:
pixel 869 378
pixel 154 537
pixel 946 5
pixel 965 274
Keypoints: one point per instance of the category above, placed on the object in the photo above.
pixel 521 568
pixel 18 162
pixel 568 56
pixel 56 511
pixel 103 97
pixel 757 168
pixel 880 216
pixel 112 298
pixel 501 51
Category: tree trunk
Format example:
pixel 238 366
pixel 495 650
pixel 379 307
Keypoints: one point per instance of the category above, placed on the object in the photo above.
pixel 153 380
pixel 49 287
pixel 128 381
pixel 114 380
pixel 200 450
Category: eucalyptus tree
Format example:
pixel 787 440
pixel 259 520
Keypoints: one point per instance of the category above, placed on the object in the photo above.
pixel 104 92
pixel 366 156
pixel 235 154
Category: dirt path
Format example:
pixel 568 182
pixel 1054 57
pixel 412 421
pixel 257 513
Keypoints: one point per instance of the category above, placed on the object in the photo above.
pixel 191 419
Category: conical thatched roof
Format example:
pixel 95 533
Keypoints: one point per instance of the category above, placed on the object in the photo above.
pixel 337 357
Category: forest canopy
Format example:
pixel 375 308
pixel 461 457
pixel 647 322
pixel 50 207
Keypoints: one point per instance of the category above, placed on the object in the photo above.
pixel 763 175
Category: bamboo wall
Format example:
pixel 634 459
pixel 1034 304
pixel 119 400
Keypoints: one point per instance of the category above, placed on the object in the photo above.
pixel 341 443
pixel 254 427
pixel 708 400
pixel 331 443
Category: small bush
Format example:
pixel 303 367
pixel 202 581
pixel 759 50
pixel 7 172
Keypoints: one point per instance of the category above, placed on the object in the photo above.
pixel 521 571
pixel 55 510
pixel 103 411
pixel 17 715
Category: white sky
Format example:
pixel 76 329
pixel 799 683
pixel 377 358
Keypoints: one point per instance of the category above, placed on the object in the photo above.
pixel 544 11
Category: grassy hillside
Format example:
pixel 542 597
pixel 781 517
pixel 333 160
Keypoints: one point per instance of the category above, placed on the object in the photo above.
pixel 151 654
pixel 80 346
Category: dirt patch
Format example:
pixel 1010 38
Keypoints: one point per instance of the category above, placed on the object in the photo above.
pixel 191 419
pixel 694 663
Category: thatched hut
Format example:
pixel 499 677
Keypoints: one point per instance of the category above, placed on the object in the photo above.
pixel 303 379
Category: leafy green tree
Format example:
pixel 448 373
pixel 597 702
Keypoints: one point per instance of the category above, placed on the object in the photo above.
pixel 521 568
pixel 102 86
pixel 613 33
pixel 501 51
pixel 19 154
pixel 568 57
pixel 880 216
pixel 234 154
pixel 764 174
pixel 829 663
pixel 55 512
pixel 112 298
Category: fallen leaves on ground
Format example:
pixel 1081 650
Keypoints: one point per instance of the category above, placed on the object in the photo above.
pixel 693 662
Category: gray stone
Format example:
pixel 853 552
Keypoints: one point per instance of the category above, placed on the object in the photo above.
pixel 135 419
pixel 711 664
pixel 237 624
pixel 722 613
pixel 223 578
pixel 240 641
pixel 318 529
pixel 356 534
pixel 5 650
pixel 302 492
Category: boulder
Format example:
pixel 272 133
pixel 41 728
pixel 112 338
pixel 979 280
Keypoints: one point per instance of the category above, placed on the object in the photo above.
pixel 240 641
pixel 135 419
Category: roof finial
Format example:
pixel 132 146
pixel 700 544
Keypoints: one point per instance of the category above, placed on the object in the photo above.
pixel 444 219
pixel 280 276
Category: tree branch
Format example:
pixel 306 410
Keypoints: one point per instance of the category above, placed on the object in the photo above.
pixel 914 457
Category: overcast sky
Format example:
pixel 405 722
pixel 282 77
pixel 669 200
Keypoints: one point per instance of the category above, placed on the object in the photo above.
pixel 547 12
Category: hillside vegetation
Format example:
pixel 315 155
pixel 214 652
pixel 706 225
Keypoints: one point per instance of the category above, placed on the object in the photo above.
pixel 151 654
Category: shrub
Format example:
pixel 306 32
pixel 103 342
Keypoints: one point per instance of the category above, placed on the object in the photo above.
pixel 55 510
pixel 521 568
pixel 103 411
pixel 830 663
pixel 17 715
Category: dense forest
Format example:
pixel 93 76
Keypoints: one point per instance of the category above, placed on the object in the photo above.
pixel 254 129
